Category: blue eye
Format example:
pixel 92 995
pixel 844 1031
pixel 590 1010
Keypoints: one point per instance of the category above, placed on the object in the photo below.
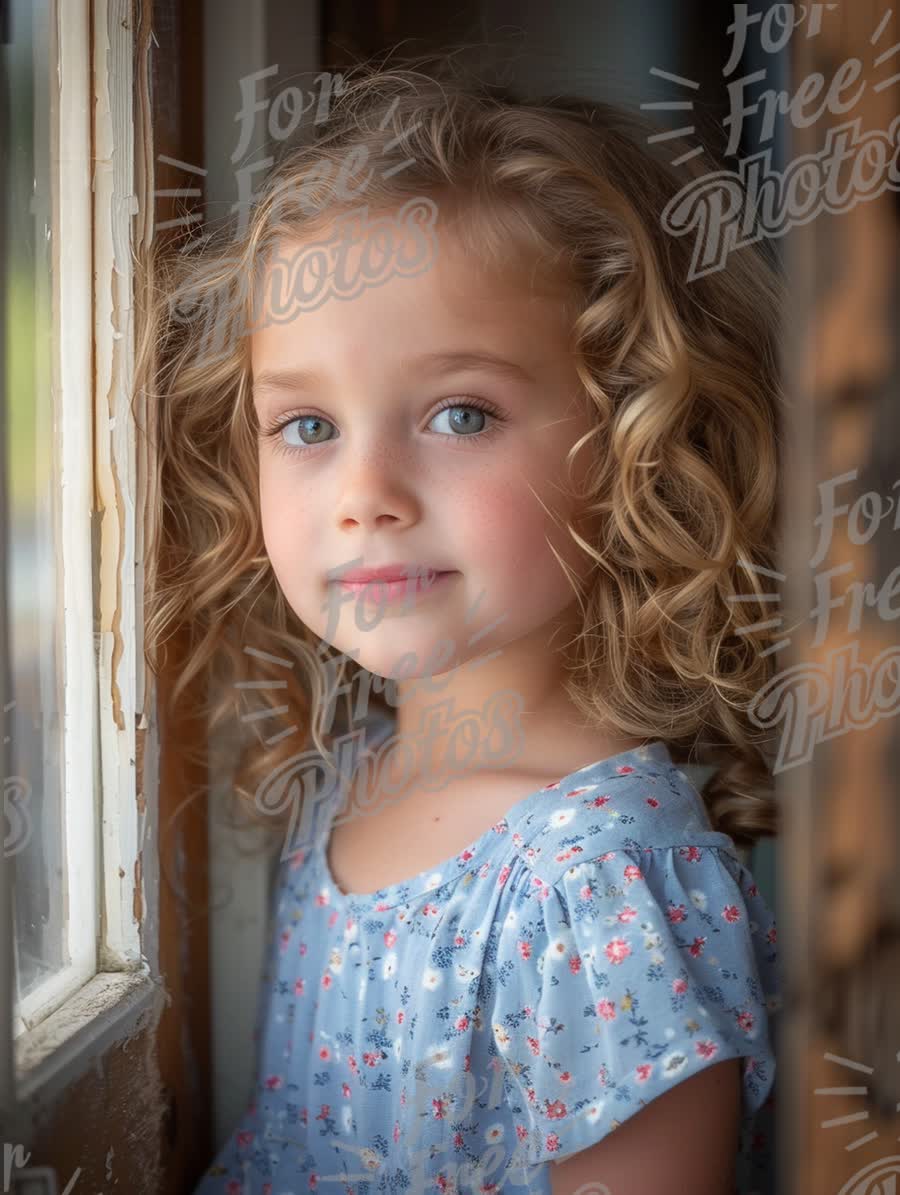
pixel 463 418
pixel 304 423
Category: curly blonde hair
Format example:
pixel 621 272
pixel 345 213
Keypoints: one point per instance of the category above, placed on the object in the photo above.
pixel 682 374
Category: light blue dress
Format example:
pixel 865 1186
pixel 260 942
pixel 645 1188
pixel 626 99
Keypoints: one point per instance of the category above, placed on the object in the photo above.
pixel 456 1032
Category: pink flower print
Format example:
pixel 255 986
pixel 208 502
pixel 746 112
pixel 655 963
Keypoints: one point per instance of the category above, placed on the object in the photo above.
pixel 586 892
pixel 753 890
pixel 284 940
pixel 562 856
pixel 617 951
pixel 599 802
pixel 274 1082
pixel 574 964
pixel 534 1045
pixel 679 986
pixel 633 872
pixel 503 876
pixel 381 907
pixel 521 1132
pixel 324 1053
pixel 430 910
pixel 565 1077
pixel 348 924
pixel 556 1110
pixel 746 1021
pixel 459 940
pixel 706 1049
pixel 627 914
pixel 234 1186
pixel 401 1016
pixel 332 917
pixel 345 1090
pixel 676 913
pixel 297 858
pixel 551 1142
pixel 606 1009
pixel 462 1023
pixel 696 947
pixel 624 768
pixel 576 792
pixel 303 949
pixel 466 856
pixel 321 898
pixel 327 981
pixel 396 1132
pixel 652 802
pixel 772 935
pixel 543 892
pixel 517 839
pixel 609 855
pixel 643 1072
pixel 549 788
pixel 691 853
pixel 324 1112
pixel 300 987
pixel 458 1140
pixel 389 938
pixel 440 1108
pixel 731 913
pixel 245 1138
pixel 483 870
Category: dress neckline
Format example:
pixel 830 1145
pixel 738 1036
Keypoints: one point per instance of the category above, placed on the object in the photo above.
pixel 450 870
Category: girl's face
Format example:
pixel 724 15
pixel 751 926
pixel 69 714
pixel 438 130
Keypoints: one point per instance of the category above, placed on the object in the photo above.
pixel 424 424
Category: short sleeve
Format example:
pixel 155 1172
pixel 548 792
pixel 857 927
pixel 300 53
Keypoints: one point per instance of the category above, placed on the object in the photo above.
pixel 631 972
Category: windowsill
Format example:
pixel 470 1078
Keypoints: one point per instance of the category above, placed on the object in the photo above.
pixel 58 1051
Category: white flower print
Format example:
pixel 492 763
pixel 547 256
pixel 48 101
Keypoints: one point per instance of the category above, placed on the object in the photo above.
pixel 431 979
pixel 673 1064
pixel 439 1056
pixel 594 1111
pixel 434 881
pixel 502 1037
pixel 493 1134
pixel 698 899
pixel 511 920
pixel 336 961
pixel 389 966
pixel 560 818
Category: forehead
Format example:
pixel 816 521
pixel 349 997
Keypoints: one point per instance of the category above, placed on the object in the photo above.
pixel 429 292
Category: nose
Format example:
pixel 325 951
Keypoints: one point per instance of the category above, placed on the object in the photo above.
pixel 377 494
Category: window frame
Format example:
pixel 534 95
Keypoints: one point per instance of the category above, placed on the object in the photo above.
pixel 109 745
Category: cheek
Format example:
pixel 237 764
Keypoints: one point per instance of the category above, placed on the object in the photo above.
pixel 502 528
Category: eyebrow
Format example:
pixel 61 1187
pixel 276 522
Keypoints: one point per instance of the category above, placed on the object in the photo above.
pixel 273 380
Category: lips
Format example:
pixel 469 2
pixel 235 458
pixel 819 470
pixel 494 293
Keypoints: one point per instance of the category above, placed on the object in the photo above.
pixel 393 583
pixel 391 572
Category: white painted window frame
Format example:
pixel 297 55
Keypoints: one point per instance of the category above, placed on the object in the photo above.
pixel 111 981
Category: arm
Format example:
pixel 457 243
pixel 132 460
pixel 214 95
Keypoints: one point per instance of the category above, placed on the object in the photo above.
pixel 686 1139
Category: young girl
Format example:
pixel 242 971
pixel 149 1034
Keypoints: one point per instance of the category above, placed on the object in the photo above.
pixel 459 476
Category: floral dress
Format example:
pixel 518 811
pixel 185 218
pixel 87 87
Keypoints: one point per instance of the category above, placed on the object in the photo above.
pixel 458 1031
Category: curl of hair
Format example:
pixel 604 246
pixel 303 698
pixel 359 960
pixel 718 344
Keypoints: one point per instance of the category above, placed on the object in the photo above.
pixel 682 378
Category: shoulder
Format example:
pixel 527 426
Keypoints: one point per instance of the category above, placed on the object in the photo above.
pixel 644 804
pixel 626 959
